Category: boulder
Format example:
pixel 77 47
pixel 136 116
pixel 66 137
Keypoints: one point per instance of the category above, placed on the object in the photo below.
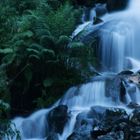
pixel 85 122
pixel 110 118
pixel 115 115
pixel 57 118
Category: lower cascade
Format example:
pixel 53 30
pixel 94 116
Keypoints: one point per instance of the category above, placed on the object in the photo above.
pixel 105 107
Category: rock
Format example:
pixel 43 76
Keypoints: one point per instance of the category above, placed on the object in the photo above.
pixel 113 5
pixel 123 126
pixel 96 133
pixel 135 131
pixel 52 136
pixel 96 112
pixel 83 119
pixel 135 117
pixel 85 122
pixel 57 118
pixel 126 72
pixel 122 92
pixel 97 20
pixel 112 136
pixel 74 136
pixel 100 9
pixel 113 89
pixel 134 79
pixel 114 115
pixel 83 133
pixel 110 119
pixel 133 105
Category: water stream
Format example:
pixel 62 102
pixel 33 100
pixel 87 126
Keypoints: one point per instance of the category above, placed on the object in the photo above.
pixel 119 50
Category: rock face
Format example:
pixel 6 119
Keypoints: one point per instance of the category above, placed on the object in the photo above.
pixel 107 124
pixel 100 123
pixel 57 118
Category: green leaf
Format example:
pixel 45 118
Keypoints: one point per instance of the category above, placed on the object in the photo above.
pixel 6 50
pixel 36 47
pixel 48 51
pixel 33 51
pixel 27 34
pixel 34 57
pixel 48 82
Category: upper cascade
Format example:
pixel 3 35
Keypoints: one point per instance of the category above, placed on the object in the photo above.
pixel 120 38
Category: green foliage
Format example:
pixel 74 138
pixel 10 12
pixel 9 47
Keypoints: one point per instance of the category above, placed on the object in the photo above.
pixel 36 64
pixel 62 21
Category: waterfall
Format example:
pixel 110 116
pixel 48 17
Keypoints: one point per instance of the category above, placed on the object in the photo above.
pixel 87 95
pixel 35 126
pixel 119 44
pixel 120 38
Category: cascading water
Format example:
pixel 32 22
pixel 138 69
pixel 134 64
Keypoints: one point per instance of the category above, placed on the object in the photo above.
pixel 119 43
pixel 120 38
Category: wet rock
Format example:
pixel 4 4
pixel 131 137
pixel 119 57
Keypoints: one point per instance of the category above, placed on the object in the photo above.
pixel 113 5
pixel 126 72
pixel 133 105
pixel 97 132
pixel 83 133
pixel 112 136
pixel 122 92
pixel 83 119
pixel 96 112
pixel 85 122
pixel 74 136
pixel 123 126
pixel 134 79
pixel 111 119
pixel 57 118
pixel 113 88
pixel 52 136
pixel 97 20
pixel 115 115
pixel 135 117
pixel 100 9
pixel 135 131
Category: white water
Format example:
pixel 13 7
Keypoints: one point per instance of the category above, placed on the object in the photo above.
pixel 120 41
pixel 120 37
pixel 34 126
